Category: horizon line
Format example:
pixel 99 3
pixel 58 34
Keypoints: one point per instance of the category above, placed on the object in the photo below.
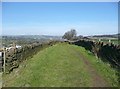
pixel 54 35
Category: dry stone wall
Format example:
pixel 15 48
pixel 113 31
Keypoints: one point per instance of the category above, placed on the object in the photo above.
pixel 15 56
pixel 106 52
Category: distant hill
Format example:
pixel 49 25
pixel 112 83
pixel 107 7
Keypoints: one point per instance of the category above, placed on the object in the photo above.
pixel 105 36
pixel 113 36
pixel 27 39
pixel 31 37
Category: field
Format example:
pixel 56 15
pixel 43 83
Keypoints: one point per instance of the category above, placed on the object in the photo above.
pixel 62 65
pixel 106 40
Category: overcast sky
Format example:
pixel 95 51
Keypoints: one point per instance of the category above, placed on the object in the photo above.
pixel 50 18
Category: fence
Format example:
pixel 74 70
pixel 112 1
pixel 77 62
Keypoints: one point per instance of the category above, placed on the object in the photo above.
pixel 15 56
pixel 107 52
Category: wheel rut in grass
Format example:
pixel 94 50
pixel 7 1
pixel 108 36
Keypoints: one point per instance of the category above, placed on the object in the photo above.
pixel 97 79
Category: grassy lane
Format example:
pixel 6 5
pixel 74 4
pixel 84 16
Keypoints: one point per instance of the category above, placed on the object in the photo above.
pixel 54 66
pixel 57 66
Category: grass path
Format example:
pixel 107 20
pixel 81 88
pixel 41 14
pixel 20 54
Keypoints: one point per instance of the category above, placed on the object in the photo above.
pixel 97 80
pixel 61 65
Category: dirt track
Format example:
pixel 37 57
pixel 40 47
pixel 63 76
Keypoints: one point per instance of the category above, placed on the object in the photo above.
pixel 97 79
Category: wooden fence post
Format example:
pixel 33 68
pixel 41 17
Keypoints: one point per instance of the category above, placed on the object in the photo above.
pixel 109 41
pixel 4 58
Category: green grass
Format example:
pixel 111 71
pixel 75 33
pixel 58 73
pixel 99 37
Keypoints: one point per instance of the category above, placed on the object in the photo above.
pixel 114 41
pixel 104 69
pixel 54 66
pixel 58 66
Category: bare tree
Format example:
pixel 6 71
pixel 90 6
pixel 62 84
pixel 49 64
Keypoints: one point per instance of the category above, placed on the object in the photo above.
pixel 70 35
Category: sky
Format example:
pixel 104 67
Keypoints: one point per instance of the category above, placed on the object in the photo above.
pixel 55 18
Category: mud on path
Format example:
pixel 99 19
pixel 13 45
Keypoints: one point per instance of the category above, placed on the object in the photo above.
pixel 97 79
